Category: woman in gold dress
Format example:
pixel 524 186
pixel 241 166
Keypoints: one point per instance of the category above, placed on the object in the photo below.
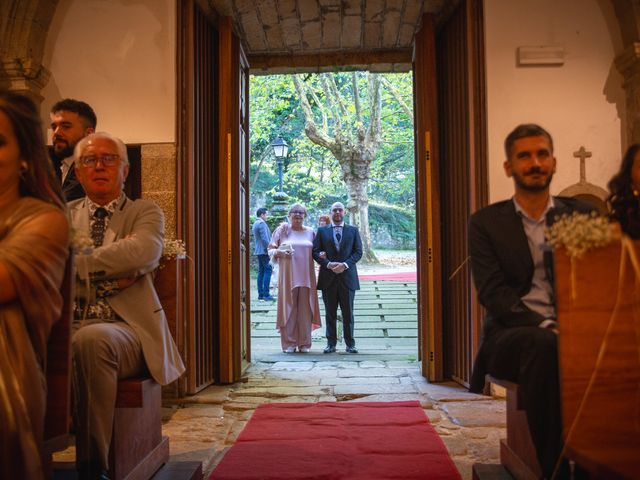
pixel 34 235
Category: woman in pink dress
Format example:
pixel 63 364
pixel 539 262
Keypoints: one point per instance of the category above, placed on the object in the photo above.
pixel 298 308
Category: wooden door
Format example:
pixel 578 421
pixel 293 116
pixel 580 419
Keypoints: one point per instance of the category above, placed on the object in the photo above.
pixel 462 113
pixel 197 196
pixel 243 208
pixel 233 204
pixel 428 201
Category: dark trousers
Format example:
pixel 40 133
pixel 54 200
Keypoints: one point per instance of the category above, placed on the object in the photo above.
pixel 338 294
pixel 264 275
pixel 528 356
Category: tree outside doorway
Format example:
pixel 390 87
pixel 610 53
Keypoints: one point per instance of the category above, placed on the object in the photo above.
pixel 350 138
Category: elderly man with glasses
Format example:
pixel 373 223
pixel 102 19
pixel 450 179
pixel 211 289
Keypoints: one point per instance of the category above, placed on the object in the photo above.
pixel 120 329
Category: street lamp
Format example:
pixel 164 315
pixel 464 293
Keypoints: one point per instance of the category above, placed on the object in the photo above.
pixel 280 150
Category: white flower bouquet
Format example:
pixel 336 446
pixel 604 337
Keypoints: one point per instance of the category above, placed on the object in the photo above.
pixel 174 249
pixel 81 242
pixel 581 232
pixel 286 248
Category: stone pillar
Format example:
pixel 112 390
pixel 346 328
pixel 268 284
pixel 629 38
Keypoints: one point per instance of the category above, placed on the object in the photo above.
pixel 279 208
pixel 628 64
pixel 159 181
pixel 24 75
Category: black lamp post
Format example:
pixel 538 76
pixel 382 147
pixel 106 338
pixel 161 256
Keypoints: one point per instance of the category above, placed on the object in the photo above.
pixel 280 150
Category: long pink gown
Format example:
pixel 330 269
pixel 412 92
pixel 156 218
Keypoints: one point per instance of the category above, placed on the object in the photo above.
pixel 298 310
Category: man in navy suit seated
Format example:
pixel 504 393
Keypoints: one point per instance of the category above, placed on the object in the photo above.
pixel 337 248
pixel 512 271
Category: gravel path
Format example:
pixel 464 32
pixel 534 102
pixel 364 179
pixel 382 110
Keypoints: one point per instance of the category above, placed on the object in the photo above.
pixel 390 260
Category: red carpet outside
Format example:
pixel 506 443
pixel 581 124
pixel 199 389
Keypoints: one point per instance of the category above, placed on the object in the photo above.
pixel 329 440
pixel 393 276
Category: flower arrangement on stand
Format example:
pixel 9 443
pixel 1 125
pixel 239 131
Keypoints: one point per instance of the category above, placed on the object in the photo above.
pixel 581 232
pixel 82 244
pixel 174 249
pixel 166 281
pixel 597 278
pixel 166 277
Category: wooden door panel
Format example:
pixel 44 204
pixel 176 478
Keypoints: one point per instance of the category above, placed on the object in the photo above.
pixel 428 202
pixel 460 63
pixel 243 165
pixel 196 193
pixel 233 206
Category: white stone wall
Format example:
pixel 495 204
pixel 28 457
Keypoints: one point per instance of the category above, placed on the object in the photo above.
pixel 580 102
pixel 120 57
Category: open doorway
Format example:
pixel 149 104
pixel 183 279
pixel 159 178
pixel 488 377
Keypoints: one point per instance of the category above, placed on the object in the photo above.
pixel 350 138
pixel 214 215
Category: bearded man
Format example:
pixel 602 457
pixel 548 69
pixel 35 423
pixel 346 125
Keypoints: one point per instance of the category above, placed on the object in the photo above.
pixel 337 248
pixel 71 121
pixel 512 271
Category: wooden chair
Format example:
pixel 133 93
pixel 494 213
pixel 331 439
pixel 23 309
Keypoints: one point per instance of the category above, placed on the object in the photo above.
pixel 138 448
pixel 517 452
pixel 58 375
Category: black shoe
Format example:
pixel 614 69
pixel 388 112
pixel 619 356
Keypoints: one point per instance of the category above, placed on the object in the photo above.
pixel 92 471
pixel 329 349
pixel 269 299
pixel 351 350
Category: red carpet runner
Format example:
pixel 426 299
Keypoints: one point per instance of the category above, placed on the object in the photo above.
pixel 355 441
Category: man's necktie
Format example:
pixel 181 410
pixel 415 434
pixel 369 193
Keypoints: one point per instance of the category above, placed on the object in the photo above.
pixel 338 233
pixel 98 227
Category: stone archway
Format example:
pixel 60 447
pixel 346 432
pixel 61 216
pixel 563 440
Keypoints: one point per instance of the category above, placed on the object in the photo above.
pixel 24 25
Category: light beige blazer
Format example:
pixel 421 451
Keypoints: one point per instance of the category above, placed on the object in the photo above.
pixel 132 246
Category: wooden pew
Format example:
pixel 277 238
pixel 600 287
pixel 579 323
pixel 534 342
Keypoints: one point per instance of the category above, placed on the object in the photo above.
pixel 58 375
pixel 517 452
pixel 138 448
pixel 602 429
pixel 605 438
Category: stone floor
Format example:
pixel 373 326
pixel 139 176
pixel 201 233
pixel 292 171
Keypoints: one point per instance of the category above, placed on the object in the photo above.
pixel 204 426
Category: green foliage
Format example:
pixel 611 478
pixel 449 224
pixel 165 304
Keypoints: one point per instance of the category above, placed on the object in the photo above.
pixel 311 175
pixel 399 221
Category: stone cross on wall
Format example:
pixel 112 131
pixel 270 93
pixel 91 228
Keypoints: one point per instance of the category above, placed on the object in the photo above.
pixel 582 154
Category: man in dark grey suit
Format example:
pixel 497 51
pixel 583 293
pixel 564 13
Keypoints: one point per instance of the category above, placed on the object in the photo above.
pixel 71 121
pixel 337 248
pixel 511 265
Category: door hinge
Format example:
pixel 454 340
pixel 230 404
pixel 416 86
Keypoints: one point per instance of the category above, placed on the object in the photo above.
pixel 431 357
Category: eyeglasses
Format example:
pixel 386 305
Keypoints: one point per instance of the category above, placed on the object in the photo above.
pixel 109 160
pixel 297 212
